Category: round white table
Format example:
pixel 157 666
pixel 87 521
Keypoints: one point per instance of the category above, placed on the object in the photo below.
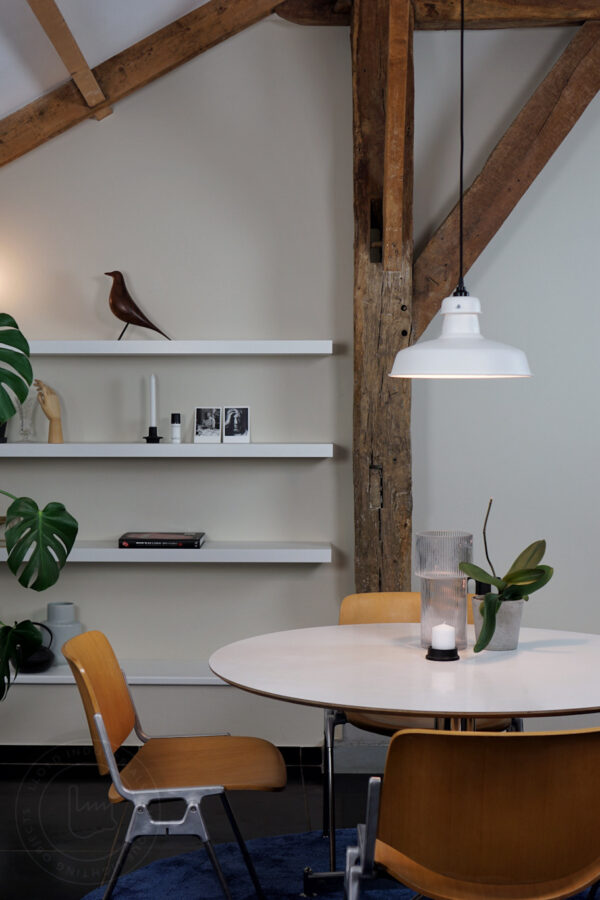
pixel 383 668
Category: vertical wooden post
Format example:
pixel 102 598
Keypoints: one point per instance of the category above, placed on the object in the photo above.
pixel 383 129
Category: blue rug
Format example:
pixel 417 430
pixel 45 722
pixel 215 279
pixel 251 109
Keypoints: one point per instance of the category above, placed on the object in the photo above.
pixel 279 862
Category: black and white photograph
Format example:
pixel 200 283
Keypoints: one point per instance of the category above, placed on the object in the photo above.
pixel 236 424
pixel 207 425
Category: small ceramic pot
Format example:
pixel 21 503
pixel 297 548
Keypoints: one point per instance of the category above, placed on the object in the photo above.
pixel 508 623
pixel 62 624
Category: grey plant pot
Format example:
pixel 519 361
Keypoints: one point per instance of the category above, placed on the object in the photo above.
pixel 508 624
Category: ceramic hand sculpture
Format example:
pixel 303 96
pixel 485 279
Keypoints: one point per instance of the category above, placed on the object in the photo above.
pixel 124 307
pixel 48 400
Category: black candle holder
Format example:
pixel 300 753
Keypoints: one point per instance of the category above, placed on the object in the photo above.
pixel 153 437
pixel 442 655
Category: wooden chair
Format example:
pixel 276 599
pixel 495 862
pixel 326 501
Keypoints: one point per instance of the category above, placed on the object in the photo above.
pixel 474 816
pixel 367 609
pixel 171 768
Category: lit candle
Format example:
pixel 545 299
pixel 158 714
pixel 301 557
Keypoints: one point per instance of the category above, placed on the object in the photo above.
pixel 443 637
pixel 153 401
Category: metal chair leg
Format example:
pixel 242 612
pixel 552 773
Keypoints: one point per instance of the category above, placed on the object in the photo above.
pixel 332 718
pixel 242 845
pixel 217 867
pixel 117 869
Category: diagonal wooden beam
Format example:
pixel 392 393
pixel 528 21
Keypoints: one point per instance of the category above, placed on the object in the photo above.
pixel 316 12
pixel 519 157
pixel 445 14
pixel 130 70
pixel 381 57
pixel 50 18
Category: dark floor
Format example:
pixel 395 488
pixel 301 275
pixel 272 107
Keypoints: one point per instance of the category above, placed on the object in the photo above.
pixel 58 831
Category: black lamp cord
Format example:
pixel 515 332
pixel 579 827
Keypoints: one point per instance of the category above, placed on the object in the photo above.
pixel 461 290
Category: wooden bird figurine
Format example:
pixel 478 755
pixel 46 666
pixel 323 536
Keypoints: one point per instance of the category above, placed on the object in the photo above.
pixel 124 307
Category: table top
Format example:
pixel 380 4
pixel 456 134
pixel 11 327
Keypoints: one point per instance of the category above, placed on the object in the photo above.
pixel 382 668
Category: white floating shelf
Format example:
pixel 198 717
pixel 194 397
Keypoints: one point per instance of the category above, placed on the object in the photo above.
pixel 180 348
pixel 210 552
pixel 166 451
pixel 138 671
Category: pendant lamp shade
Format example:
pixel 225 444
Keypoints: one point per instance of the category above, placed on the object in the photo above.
pixel 461 351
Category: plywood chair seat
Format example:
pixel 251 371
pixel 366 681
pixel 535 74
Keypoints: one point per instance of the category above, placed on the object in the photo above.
pixel 410 874
pixel 389 724
pixel 236 763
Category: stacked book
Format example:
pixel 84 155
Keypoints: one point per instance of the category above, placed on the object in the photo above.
pixel 167 540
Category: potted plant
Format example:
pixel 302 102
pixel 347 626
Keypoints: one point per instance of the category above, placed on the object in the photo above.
pixel 526 575
pixel 38 541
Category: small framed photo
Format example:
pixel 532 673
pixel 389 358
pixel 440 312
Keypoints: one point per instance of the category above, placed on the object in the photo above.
pixel 207 425
pixel 236 424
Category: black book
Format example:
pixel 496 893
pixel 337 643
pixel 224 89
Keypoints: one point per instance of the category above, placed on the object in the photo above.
pixel 176 540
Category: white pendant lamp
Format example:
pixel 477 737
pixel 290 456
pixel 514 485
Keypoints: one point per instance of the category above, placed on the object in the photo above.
pixel 461 351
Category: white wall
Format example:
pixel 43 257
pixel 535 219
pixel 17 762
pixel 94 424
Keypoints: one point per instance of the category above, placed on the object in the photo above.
pixel 532 445
pixel 224 193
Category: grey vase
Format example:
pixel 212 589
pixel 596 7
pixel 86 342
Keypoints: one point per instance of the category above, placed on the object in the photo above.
pixel 62 623
pixel 508 623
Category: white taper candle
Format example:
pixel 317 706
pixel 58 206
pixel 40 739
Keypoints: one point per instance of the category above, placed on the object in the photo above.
pixel 153 401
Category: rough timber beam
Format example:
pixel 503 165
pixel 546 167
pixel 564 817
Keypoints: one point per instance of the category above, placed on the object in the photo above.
pixel 124 73
pixel 382 63
pixel 316 12
pixel 445 14
pixel 519 157
pixel 50 18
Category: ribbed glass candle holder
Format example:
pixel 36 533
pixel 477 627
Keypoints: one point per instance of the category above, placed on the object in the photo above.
pixel 443 586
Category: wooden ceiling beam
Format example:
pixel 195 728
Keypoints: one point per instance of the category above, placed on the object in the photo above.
pixel 382 68
pixel 50 18
pixel 316 12
pixel 119 76
pixel 445 14
pixel 518 158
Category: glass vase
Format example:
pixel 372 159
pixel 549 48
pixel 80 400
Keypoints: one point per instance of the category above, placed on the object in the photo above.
pixel 443 585
pixel 25 412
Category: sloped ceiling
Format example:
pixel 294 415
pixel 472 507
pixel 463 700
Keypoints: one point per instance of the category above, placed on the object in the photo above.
pixel 29 64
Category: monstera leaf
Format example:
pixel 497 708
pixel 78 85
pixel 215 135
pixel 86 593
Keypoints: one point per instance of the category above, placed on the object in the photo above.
pixel 38 541
pixel 15 369
pixel 22 635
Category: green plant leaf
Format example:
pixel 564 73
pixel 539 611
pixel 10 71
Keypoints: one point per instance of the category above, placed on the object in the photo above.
pixel 479 575
pixel 524 576
pixel 23 635
pixel 38 541
pixel 546 574
pixel 529 558
pixel 15 369
pixel 491 605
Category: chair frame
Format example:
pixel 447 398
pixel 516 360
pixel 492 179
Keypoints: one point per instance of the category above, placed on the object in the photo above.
pixel 144 824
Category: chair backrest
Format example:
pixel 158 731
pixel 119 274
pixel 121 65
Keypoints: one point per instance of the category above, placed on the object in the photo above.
pixel 102 687
pixel 495 809
pixel 387 606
